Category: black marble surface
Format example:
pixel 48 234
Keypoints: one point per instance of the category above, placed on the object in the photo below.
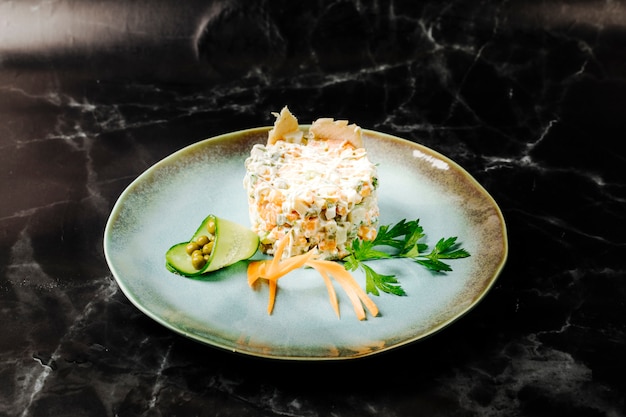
pixel 528 96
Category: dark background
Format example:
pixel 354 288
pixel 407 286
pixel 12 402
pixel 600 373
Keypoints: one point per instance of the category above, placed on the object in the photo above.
pixel 528 96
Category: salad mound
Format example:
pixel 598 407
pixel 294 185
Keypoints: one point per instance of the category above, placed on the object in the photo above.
pixel 317 188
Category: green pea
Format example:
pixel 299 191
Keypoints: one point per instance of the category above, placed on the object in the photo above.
pixel 208 248
pixel 198 262
pixel 191 247
pixel 210 227
pixel 202 240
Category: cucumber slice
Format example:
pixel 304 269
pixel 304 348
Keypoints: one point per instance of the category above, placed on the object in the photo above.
pixel 233 243
pixel 178 261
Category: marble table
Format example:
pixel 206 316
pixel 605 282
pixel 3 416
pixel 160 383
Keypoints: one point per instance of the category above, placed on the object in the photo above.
pixel 529 97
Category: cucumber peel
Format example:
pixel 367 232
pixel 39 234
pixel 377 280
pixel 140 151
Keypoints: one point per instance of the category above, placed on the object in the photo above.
pixel 233 243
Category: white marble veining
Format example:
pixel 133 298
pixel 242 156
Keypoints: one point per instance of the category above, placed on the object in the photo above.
pixel 529 98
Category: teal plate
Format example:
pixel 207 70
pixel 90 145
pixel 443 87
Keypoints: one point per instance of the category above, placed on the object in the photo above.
pixel 165 204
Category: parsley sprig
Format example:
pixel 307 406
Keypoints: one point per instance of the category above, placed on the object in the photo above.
pixel 404 240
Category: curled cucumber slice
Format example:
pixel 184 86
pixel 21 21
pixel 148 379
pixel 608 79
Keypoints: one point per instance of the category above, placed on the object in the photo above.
pixel 232 243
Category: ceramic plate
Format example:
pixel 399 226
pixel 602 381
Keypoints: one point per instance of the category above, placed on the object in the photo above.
pixel 166 203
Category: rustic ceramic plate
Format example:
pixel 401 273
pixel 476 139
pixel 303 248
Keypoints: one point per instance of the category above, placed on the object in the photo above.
pixel 166 203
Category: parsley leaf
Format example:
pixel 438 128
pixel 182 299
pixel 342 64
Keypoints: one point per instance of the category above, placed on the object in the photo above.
pixel 404 238
pixel 386 283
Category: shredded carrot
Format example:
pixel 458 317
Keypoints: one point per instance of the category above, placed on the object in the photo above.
pixel 352 288
pixel 278 253
pixel 332 295
pixel 265 269
pixel 354 298
pixel 273 288
pixel 272 270
pixel 294 263
pixel 255 270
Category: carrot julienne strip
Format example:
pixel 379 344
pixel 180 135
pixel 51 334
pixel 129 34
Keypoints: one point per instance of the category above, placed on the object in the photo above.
pixel 272 299
pixel 255 270
pixel 273 269
pixel 294 263
pixel 332 295
pixel 354 298
pixel 341 274
pixel 282 269
pixel 278 252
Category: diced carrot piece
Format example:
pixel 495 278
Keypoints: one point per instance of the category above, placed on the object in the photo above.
pixel 327 245
pixel 367 233
pixel 311 223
